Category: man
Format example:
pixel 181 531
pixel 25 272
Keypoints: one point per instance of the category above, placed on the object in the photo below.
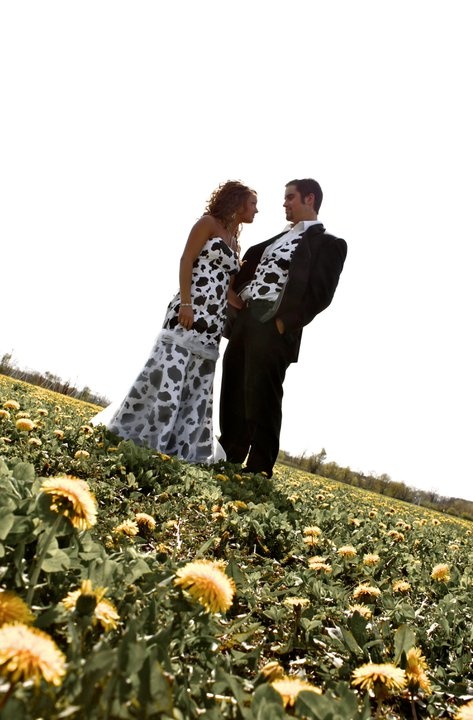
pixel 282 285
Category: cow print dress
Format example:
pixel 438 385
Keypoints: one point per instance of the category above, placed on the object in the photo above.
pixel 169 406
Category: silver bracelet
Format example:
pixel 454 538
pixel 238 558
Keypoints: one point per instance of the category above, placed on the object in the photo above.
pixel 186 305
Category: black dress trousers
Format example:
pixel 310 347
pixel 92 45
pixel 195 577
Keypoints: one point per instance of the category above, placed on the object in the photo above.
pixel 253 371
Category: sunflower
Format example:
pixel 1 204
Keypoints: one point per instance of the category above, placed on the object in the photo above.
pixel 72 498
pixel 27 653
pixel 416 671
pixel 441 573
pixel 373 676
pixel 14 609
pixel 87 601
pixel 290 687
pixel 206 582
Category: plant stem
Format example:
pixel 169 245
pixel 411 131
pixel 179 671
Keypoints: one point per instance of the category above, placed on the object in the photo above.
pixel 7 695
pixel 39 561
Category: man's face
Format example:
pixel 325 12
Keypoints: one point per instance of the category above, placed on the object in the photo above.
pixel 296 208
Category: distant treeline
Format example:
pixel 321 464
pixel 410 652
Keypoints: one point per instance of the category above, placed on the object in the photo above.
pixel 49 381
pixel 380 484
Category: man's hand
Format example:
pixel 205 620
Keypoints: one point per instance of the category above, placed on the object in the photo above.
pixel 280 326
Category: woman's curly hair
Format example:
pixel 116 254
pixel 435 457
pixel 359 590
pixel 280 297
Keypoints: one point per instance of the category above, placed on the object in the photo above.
pixel 226 199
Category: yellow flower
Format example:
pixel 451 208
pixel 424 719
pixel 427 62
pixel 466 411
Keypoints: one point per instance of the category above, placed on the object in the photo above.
pixel 318 564
pixel 465 712
pixel 27 653
pixel 24 424
pixel 311 535
pixel 416 671
pixel 347 551
pixel 296 602
pixel 366 592
pixel 4 415
pixel 43 412
pixel 11 405
pixel 290 687
pixel 206 582
pixel 395 535
pixel 72 498
pixel 220 477
pixel 312 530
pixel 441 573
pixel 81 455
pixel 87 429
pixel 370 559
pixel 14 609
pixel 59 433
pixel 386 675
pixel 88 601
pixel 272 670
pixel 364 611
pixel 401 586
pixel 145 521
pixel 127 527
pixel 35 441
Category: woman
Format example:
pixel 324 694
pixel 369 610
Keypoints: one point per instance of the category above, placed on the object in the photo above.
pixel 169 406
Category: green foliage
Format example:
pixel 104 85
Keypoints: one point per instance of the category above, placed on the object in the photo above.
pixel 166 657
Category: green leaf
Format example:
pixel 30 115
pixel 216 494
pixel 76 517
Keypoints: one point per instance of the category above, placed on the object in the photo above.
pixel 57 561
pixel 267 703
pixel 24 472
pixel 103 660
pixel 404 639
pixel 6 523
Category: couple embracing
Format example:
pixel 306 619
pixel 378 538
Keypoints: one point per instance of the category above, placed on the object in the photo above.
pixel 261 302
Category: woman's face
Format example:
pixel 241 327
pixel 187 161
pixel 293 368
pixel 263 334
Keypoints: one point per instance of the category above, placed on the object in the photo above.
pixel 248 209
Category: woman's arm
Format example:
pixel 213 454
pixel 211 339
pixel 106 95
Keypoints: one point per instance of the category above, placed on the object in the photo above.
pixel 203 229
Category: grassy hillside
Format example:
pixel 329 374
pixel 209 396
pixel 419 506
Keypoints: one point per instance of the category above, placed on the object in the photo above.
pixel 142 587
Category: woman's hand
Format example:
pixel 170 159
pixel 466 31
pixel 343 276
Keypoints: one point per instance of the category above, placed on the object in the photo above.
pixel 235 300
pixel 186 317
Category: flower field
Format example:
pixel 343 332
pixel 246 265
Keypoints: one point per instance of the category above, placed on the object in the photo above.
pixel 133 585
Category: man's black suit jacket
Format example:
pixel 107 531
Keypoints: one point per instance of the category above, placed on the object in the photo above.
pixel 313 277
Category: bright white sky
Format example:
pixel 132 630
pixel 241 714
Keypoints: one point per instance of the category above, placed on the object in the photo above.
pixel 119 118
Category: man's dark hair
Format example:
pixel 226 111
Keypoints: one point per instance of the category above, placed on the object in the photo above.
pixel 307 186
